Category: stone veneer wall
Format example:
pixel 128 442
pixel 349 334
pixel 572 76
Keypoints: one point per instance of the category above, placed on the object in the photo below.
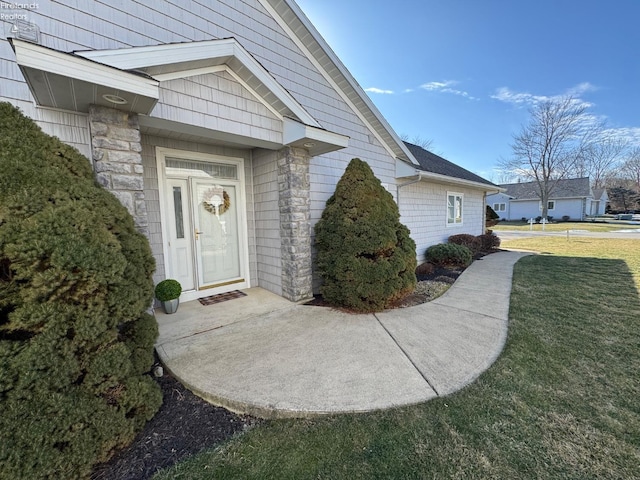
pixel 295 223
pixel 117 162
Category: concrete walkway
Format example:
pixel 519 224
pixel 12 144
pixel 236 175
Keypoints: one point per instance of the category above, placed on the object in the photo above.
pixel 265 356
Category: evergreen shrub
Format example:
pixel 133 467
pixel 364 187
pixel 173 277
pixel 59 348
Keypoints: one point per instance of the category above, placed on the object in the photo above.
pixel 449 254
pixel 472 242
pixel 365 256
pixel 168 289
pixel 75 282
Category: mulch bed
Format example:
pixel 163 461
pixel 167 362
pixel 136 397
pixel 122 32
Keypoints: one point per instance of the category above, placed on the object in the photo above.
pixel 184 425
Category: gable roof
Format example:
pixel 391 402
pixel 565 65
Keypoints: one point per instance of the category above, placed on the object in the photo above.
pixel 303 32
pixel 566 188
pixel 430 162
pixel 599 193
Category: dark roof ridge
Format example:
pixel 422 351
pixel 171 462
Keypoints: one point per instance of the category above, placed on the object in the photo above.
pixel 430 162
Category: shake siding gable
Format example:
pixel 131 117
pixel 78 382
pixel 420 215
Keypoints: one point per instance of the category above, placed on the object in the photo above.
pixel 217 101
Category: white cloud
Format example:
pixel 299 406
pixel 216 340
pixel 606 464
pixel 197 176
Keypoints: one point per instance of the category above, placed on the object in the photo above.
pixel 378 90
pixel 581 88
pixel 630 134
pixel 505 94
pixel 445 87
pixel 437 85
pixel 459 92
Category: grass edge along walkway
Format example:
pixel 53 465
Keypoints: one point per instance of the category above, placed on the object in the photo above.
pixel 561 401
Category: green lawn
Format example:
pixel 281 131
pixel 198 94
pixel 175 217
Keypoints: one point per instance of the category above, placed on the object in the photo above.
pixel 560 402
pixel 564 226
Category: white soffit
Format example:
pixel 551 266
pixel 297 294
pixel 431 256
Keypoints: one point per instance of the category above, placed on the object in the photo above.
pixel 316 140
pixel 179 60
pixel 63 80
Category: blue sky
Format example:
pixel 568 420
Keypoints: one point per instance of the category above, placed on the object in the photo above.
pixel 463 73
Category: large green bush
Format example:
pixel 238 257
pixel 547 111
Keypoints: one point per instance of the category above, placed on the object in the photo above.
pixel 75 341
pixel 366 257
pixel 449 254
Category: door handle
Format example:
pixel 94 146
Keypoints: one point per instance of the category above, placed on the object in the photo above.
pixel 197 233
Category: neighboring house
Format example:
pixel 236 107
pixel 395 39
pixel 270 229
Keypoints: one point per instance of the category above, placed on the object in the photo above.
pixel 599 202
pixel 572 197
pixel 223 127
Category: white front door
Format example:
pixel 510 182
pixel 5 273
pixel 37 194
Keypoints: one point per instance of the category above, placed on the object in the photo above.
pixel 204 220
pixel 216 230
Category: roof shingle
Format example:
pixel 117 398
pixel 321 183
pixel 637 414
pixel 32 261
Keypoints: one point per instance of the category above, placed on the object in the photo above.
pixel 567 188
pixel 430 162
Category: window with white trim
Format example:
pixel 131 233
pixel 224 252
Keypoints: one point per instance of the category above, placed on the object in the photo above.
pixel 551 204
pixel 454 208
pixel 499 207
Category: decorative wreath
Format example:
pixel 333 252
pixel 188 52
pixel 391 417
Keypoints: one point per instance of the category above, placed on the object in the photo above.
pixel 216 200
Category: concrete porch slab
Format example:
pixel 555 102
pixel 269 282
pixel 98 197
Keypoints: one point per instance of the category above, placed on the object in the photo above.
pixel 266 356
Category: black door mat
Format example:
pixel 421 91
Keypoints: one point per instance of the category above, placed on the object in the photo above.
pixel 221 297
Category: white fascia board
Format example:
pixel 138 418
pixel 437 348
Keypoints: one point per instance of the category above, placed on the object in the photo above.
pixel 438 178
pixel 144 57
pixel 30 55
pixel 154 55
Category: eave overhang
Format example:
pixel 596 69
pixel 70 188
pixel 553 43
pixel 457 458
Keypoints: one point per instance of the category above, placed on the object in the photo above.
pixel 421 175
pixel 64 80
pixel 181 60
pixel 316 140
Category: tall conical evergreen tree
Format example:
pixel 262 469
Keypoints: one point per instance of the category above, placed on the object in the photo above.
pixel 365 256
pixel 75 282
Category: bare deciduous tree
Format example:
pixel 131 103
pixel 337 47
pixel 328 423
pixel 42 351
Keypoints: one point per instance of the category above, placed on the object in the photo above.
pixel 601 158
pixel 631 167
pixel 425 143
pixel 547 148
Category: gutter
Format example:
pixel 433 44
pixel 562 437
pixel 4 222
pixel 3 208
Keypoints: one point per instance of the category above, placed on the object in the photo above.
pixel 406 184
pixel 439 178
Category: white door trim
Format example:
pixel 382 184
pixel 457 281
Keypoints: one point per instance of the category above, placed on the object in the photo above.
pixel 161 154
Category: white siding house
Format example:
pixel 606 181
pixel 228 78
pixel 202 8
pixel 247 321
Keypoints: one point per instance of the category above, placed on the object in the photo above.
pixel 223 126
pixel 571 198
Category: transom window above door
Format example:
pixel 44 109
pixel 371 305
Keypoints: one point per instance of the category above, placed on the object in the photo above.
pixel 181 167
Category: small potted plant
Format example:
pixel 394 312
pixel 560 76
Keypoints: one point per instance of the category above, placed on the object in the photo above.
pixel 168 292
